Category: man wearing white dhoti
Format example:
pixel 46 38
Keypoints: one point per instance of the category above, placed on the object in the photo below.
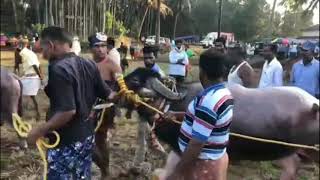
pixel 31 80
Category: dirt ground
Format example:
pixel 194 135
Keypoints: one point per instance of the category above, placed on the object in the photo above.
pixel 26 165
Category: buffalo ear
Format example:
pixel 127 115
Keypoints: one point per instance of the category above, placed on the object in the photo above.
pixel 315 107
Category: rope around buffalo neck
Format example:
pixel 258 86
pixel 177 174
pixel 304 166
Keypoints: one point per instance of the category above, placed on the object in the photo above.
pixel 129 95
pixel 23 128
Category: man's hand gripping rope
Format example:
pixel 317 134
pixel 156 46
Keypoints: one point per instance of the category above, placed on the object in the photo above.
pixel 23 129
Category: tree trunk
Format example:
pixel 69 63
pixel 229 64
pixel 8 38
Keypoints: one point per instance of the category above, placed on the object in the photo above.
pixel 75 17
pixel 51 21
pixel 158 24
pixel 91 18
pixel 271 17
pixel 69 10
pixel 56 15
pixel 103 16
pixel 149 25
pixel 142 22
pixel 175 25
pixel 61 14
pixel 37 7
pixel 114 16
pixel 14 8
pixel 219 18
pixel 46 12
pixel 84 19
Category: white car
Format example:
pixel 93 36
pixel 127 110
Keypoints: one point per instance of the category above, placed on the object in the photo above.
pixel 152 40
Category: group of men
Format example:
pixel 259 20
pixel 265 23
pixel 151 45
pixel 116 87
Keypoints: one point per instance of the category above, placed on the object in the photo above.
pixel 304 73
pixel 74 84
pixel 31 76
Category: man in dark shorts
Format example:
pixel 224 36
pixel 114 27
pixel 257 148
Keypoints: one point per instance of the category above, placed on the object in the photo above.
pixel 108 70
pixel 73 86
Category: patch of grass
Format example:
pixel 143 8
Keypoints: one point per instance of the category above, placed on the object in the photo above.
pixel 268 171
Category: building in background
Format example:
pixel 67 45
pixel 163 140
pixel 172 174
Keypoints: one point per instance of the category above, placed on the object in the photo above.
pixel 310 33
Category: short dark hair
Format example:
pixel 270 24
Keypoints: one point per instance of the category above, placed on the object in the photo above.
pixel 150 49
pixel 222 40
pixel 111 41
pixel 213 63
pixel 273 48
pixel 54 33
pixel 239 51
pixel 178 41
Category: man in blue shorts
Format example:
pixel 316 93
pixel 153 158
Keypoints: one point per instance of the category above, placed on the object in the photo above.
pixel 73 86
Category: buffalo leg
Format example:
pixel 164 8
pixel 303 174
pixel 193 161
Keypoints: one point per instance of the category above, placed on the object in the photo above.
pixel 101 154
pixel 141 141
pixel 289 167
pixel 36 107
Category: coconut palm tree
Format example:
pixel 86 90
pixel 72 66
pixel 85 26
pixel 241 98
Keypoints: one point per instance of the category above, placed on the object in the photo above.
pixel 153 4
pixel 179 7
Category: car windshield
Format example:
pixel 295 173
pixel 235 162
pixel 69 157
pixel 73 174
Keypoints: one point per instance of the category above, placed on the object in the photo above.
pixel 151 37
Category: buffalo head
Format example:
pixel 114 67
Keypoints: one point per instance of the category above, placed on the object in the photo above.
pixel 147 84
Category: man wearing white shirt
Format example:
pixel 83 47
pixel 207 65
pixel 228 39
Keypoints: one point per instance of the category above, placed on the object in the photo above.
pixel 178 61
pixel 271 75
pixel 31 80
pixel 113 53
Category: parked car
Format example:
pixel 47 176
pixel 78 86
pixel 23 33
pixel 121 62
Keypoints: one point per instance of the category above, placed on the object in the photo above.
pixel 258 47
pixel 152 40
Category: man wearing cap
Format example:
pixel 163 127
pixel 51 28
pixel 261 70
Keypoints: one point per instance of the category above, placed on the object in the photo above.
pixel 32 78
pixel 107 67
pixel 108 70
pixel 305 73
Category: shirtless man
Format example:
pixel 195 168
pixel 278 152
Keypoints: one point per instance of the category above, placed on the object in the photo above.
pixel 241 72
pixel 108 69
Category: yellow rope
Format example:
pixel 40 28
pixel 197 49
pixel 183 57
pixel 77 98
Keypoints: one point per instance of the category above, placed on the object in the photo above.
pixel 23 128
pixel 124 91
pixel 315 147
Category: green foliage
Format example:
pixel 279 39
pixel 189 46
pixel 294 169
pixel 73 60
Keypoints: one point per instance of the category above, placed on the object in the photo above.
pixel 296 4
pixel 119 27
pixel 248 19
pixel 37 28
pixel 294 21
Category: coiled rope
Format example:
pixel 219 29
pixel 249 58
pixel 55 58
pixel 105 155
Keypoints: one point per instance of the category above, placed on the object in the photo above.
pixel 131 96
pixel 23 128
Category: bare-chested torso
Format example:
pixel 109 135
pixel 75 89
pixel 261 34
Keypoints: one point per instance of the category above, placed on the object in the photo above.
pixel 106 70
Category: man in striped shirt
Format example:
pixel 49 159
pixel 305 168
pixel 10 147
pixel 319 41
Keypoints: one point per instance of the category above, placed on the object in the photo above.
pixel 204 133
